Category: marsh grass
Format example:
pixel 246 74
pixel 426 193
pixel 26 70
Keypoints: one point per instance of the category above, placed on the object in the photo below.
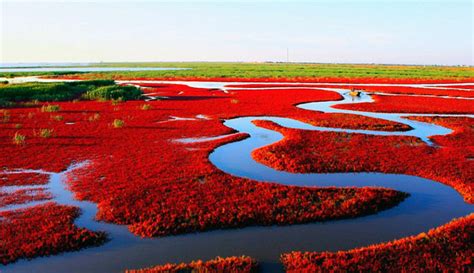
pixel 57 117
pixel 28 94
pixel 5 116
pixel 145 107
pixel 57 91
pixel 94 117
pixel 114 92
pixel 45 133
pixel 50 108
pixel 116 102
pixel 118 123
pixel 29 103
pixel 19 139
pixel 4 103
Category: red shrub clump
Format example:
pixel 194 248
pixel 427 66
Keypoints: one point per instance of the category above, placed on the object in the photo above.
pixel 258 205
pixel 23 196
pixel 336 120
pixel 242 264
pixel 343 152
pixel 42 230
pixel 463 131
pixel 448 248
pixel 464 86
pixel 20 179
pixel 410 104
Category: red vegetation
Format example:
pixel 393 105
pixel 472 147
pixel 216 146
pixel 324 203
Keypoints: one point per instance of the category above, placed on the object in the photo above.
pixel 140 177
pixel 448 248
pixel 23 196
pixel 250 204
pixel 364 80
pixel 160 187
pixel 243 264
pixel 371 89
pixel 467 86
pixel 462 137
pixel 336 120
pixel 410 104
pixel 19 179
pixel 42 230
pixel 256 103
pixel 270 85
pixel 343 152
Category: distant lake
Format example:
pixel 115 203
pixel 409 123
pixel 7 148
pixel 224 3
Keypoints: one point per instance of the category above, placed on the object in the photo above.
pixel 84 69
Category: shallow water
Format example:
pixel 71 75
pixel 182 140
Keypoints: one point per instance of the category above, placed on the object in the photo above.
pixel 85 69
pixel 430 204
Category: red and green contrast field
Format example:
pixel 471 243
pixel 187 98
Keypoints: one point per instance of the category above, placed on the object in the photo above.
pixel 141 176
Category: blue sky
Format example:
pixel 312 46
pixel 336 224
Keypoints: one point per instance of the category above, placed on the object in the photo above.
pixel 409 32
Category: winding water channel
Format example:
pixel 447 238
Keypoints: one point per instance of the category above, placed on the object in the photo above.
pixel 430 204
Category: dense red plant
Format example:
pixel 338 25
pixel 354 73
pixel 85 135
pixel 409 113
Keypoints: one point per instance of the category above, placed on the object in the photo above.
pixel 23 196
pixel 463 134
pixel 42 230
pixel 464 86
pixel 139 176
pixel 277 205
pixel 336 120
pixel 23 179
pixel 255 102
pixel 448 248
pixel 417 91
pixel 411 104
pixel 358 80
pixel 343 152
pixel 408 90
pixel 242 264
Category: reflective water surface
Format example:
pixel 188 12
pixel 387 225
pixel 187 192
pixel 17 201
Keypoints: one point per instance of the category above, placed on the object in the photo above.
pixel 84 69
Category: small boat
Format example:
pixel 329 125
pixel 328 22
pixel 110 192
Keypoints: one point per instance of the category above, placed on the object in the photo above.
pixel 355 93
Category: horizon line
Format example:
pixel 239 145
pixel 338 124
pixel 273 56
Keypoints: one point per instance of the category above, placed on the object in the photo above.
pixel 243 62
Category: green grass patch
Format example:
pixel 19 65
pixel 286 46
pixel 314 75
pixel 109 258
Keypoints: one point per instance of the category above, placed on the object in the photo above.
pixel 113 92
pixel 65 91
pixel 280 70
pixel 118 123
pixel 50 108
pixel 46 133
pixel 19 139
pixel 145 107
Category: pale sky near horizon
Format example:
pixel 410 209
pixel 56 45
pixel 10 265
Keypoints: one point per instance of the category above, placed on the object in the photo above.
pixel 404 32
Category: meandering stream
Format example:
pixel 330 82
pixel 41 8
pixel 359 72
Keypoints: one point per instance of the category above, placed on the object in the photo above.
pixel 430 204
